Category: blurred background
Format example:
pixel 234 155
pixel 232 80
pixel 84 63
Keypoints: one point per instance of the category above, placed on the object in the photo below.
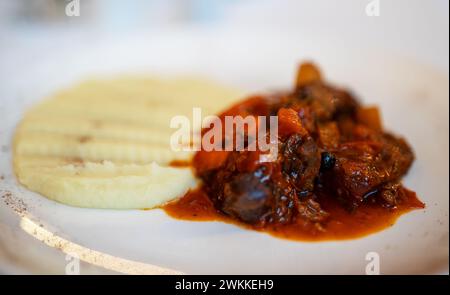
pixel 42 37
pixel 387 51
pixel 421 26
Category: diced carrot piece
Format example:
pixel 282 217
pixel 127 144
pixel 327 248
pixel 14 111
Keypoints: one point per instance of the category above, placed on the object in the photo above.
pixel 307 74
pixel 204 161
pixel 329 135
pixel 370 116
pixel 289 123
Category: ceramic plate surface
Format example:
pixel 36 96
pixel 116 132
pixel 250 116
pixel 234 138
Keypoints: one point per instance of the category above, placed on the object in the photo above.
pixel 36 235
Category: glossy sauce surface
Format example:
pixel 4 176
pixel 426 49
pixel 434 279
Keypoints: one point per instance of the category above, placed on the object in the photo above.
pixel 337 177
pixel 342 224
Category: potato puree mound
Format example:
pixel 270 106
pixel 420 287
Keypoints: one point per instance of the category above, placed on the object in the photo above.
pixel 106 143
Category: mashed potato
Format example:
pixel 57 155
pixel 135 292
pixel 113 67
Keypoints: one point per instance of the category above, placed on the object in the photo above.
pixel 106 143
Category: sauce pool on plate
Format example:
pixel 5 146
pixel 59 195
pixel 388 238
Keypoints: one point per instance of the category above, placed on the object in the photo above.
pixel 343 224
pixel 336 174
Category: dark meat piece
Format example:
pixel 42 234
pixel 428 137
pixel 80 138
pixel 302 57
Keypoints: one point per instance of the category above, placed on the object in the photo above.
pixel 266 193
pixel 301 162
pixel 364 167
pixel 246 198
pixel 327 143
pixel 318 102
pixel 253 193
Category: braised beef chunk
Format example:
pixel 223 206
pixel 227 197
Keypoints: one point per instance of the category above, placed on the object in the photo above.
pixel 300 162
pixel 321 101
pixel 327 142
pixel 246 197
pixel 253 193
pixel 362 167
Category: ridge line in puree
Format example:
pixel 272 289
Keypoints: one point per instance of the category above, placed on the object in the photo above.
pixel 106 143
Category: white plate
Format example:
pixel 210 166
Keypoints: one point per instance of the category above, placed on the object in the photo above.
pixel 414 103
